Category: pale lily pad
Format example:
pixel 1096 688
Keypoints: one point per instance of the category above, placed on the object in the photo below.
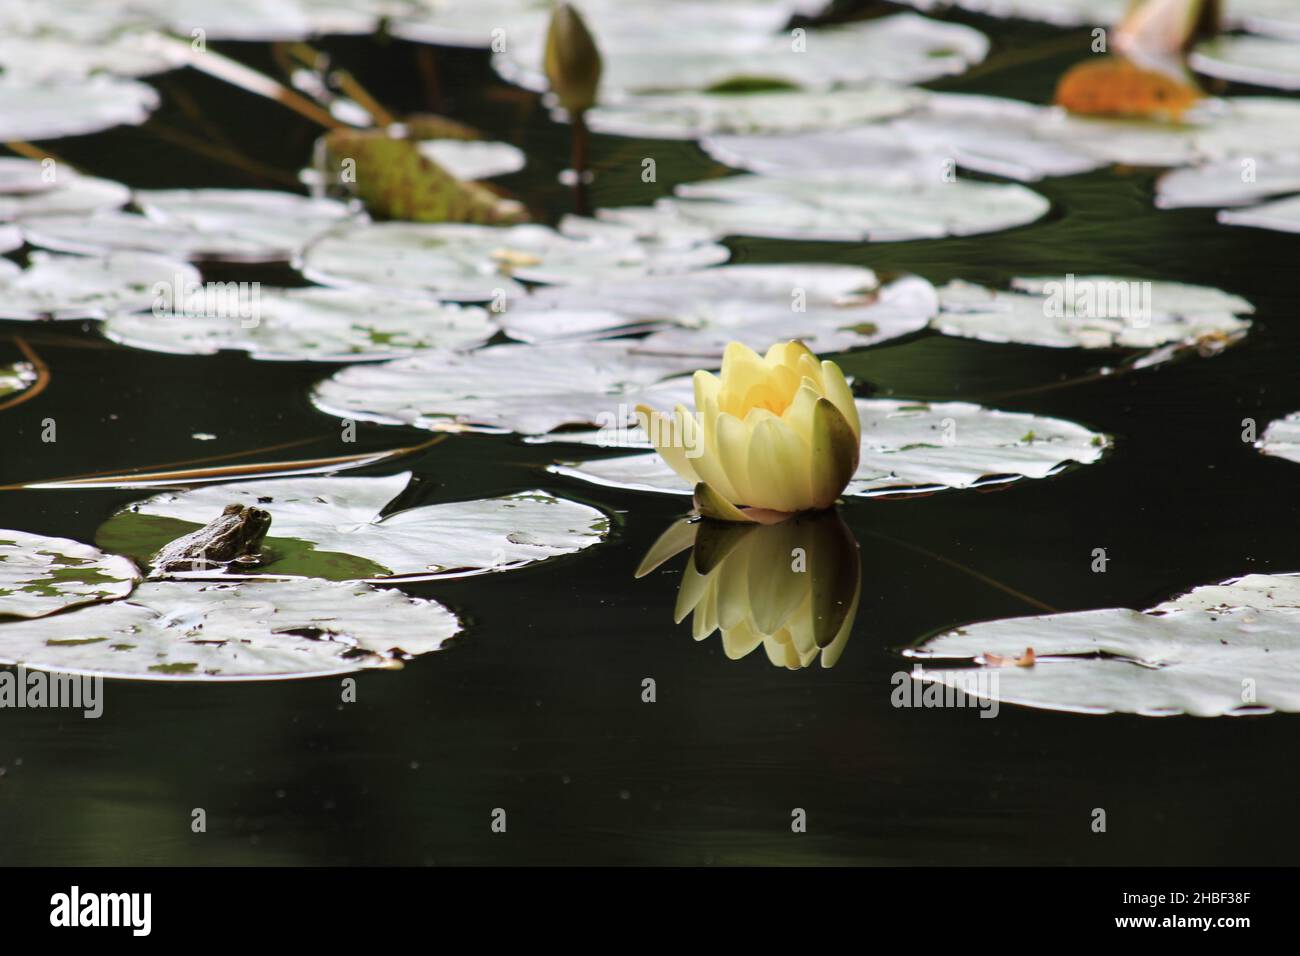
pixel 1226 649
pixel 35 111
pixel 699 46
pixel 334 528
pixel 16 377
pixel 844 206
pixel 1280 216
pixel 40 575
pixel 1282 438
pixel 88 287
pixel 831 308
pixel 249 630
pixel 1092 312
pixel 472 159
pixel 237 225
pixel 1259 61
pixel 45 58
pixel 522 388
pixel 985 134
pixel 1229 182
pixel 474 263
pixel 691 115
pixel 27 190
pixel 267 20
pixel 318 325
pixel 11 238
pixel 906 447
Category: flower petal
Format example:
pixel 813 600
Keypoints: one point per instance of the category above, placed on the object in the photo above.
pixel 834 454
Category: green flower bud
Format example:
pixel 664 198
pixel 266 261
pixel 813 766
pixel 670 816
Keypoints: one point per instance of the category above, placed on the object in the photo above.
pixel 572 60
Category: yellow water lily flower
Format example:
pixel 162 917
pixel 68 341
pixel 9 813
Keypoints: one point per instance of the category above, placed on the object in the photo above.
pixel 772 436
pixel 792 588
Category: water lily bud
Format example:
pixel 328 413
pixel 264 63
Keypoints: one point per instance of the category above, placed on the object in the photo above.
pixel 776 434
pixel 572 60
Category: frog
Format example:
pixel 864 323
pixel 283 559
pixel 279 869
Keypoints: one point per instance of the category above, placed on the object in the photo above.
pixel 233 538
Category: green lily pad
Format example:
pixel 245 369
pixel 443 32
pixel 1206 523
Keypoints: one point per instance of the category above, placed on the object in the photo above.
pixel 396 179
pixel 40 575
pixel 334 528
pixel 88 287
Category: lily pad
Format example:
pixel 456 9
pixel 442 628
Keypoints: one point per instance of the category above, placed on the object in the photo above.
pixel 522 388
pixel 831 308
pixel 986 134
pixel 36 110
pixel 88 287
pixel 845 206
pixel 1280 216
pixel 1259 61
pixel 1226 649
pixel 474 263
pixel 45 58
pixel 691 115
pixel 1092 312
pixel 316 325
pixel 27 191
pixel 267 20
pixel 249 630
pixel 337 529
pixel 700 46
pixel 40 575
pixel 1281 438
pixel 1229 182
pixel 907 447
pixel 469 159
pixel 230 225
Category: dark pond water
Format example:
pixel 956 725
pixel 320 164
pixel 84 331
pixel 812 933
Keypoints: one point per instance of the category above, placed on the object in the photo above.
pixel 537 707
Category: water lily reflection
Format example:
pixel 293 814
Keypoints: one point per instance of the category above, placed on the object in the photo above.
pixel 791 587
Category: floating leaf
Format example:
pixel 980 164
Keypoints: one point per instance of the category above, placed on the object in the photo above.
pixel 332 528
pixel 1280 216
pixel 844 206
pixel 692 115
pixel 469 159
pixel 318 325
pixel 1259 61
pixel 473 263
pixel 830 308
pixel 36 111
pixel 214 234
pixel 248 630
pixel 906 447
pixel 27 190
pixel 87 287
pixel 40 575
pixel 522 388
pixel 125 51
pixel 1092 312
pixel 1230 648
